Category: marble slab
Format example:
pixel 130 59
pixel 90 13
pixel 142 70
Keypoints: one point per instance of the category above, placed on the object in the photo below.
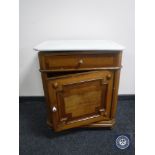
pixel 78 45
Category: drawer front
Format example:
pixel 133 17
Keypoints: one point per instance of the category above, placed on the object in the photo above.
pixel 52 62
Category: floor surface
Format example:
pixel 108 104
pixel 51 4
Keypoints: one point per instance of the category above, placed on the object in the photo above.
pixel 37 139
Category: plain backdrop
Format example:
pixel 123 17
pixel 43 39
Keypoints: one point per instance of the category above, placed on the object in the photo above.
pixel 42 20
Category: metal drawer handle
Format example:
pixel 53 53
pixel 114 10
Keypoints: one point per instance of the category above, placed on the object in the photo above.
pixel 54 109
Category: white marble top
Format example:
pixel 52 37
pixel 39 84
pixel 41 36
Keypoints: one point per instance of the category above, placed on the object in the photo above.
pixel 78 45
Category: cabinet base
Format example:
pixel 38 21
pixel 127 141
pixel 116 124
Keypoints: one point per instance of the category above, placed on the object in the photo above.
pixel 109 123
pixel 101 124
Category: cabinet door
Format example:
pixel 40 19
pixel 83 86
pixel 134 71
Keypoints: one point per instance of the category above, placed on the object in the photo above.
pixel 80 99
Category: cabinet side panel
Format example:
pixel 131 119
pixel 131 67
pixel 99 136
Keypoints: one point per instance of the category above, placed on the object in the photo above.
pixel 44 82
pixel 115 88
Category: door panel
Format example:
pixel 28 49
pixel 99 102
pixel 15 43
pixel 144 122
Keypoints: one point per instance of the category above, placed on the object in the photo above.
pixel 80 99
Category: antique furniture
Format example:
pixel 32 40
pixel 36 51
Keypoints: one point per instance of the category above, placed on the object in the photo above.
pixel 80 80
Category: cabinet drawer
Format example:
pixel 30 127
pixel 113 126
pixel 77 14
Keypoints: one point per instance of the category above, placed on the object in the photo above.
pixel 53 62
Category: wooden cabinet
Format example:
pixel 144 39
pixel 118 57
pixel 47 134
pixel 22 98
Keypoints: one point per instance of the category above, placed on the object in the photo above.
pixel 80 86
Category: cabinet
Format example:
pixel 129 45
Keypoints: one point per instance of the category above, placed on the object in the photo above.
pixel 80 81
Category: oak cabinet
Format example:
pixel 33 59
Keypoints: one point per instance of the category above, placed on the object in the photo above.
pixel 80 86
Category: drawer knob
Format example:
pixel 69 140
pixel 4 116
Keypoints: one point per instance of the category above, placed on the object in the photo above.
pixel 55 85
pixel 54 109
pixel 80 61
pixel 109 76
